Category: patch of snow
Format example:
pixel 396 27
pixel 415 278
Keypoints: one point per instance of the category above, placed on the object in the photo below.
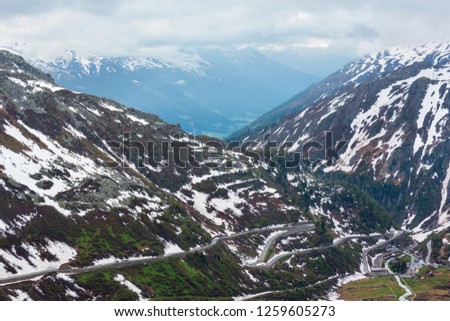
pixel 107 260
pixel 133 288
pixel 64 277
pixel 20 295
pixel 443 215
pixel 334 105
pixel 200 204
pixel 419 235
pixel 94 111
pixel 21 165
pixel 38 85
pixel 18 82
pixel 74 131
pixel 333 296
pixel 170 248
pixel 433 105
pixel 251 296
pixel 251 277
pixel 394 142
pixel 418 143
pixel 109 107
pixel 71 293
pixel 137 120
pixel 3 226
pixel 62 252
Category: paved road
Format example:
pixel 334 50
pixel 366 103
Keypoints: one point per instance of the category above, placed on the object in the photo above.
pixel 412 260
pixel 427 259
pixel 378 260
pixel 290 229
pixel 295 228
pixel 273 238
pixel 337 242
pixel 412 246
pixel 366 252
pixel 412 263
pixel 257 295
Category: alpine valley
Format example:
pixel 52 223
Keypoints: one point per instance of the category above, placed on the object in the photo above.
pixel 205 90
pixel 89 210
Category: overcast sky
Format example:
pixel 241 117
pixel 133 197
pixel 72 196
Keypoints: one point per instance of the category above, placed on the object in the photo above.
pixel 141 27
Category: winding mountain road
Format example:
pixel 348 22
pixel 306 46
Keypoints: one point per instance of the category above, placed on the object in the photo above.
pixel 287 230
pixel 272 239
pixel 381 244
pixel 290 229
pixel 336 242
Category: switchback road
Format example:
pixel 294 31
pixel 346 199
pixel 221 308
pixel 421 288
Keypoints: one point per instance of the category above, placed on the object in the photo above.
pixel 123 263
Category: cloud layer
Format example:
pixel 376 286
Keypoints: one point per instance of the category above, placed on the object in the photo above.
pixel 141 27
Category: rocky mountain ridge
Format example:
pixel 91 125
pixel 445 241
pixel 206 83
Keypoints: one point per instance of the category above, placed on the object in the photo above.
pixel 77 191
pixel 392 109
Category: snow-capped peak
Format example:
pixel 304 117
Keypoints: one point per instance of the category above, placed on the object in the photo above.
pixel 88 64
pixel 392 109
pixel 406 56
pixel 394 58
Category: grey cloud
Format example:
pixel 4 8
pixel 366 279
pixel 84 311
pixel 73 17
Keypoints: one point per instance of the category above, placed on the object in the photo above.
pixel 362 31
pixel 132 27
pixel 26 7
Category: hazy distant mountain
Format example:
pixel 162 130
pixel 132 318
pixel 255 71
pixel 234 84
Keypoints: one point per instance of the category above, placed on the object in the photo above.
pixel 210 91
pixel 394 109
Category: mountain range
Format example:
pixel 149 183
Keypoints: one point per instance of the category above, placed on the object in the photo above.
pixel 79 197
pixel 205 90
pixel 105 202
pixel 392 108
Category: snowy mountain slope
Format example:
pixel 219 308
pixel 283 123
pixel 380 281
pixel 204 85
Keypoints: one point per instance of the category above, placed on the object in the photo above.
pixel 66 201
pixel 55 159
pixel 206 90
pixel 54 183
pixel 349 76
pixel 76 192
pixel 393 109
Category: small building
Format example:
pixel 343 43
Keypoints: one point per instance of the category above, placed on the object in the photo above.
pixel 394 249
pixel 379 272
